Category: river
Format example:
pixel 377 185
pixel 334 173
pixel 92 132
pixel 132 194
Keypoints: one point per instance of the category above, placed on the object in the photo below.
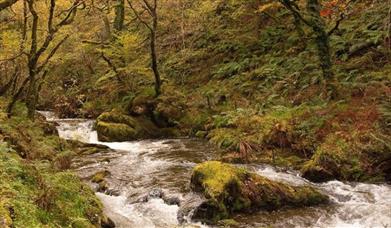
pixel 141 170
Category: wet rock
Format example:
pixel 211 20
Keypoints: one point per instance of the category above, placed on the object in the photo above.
pixel 113 192
pixel 100 176
pixel 153 194
pixel 114 126
pixel 156 193
pixel 173 200
pixel 160 194
pixel 188 205
pixel 317 174
pixel 103 186
pixel 229 189
pixel 209 213
pixel 107 223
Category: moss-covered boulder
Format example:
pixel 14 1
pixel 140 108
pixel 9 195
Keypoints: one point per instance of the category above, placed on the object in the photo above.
pixel 114 126
pixel 117 127
pixel 229 189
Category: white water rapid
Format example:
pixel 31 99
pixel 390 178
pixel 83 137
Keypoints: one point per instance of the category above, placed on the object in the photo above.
pixel 140 167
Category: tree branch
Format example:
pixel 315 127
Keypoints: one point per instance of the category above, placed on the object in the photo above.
pixel 337 23
pixel 6 3
pixel 112 66
pixel 138 16
pixel 294 9
pixel 51 54
pixel 34 28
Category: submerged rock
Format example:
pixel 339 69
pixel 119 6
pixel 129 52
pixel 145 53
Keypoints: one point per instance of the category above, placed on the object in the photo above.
pixel 160 194
pixel 229 189
pixel 107 222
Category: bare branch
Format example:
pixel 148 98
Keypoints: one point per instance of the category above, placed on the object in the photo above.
pixel 336 26
pixel 112 66
pixel 137 14
pixel 34 27
pixel 51 54
pixel 291 6
pixel 6 3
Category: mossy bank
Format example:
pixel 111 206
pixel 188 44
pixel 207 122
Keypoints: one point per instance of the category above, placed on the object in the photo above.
pixel 36 188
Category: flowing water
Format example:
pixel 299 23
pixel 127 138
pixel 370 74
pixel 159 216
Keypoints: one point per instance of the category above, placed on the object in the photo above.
pixel 149 179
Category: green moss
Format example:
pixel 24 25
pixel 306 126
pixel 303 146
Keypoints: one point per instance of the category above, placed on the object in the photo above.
pixel 214 176
pixel 100 176
pixel 201 134
pixel 115 132
pixel 228 223
pixel 44 198
pixel 33 190
pixel 5 217
pixel 231 189
pixel 114 117
pixel 334 159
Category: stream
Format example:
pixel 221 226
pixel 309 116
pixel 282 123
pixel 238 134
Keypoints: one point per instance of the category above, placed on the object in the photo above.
pixel 148 179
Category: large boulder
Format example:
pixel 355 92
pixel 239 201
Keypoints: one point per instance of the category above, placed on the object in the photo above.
pixel 114 126
pixel 229 189
pixel 117 127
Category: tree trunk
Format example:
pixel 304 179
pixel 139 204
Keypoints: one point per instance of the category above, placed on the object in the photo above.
pixel 321 38
pixel 15 97
pixel 119 15
pixel 31 95
pixel 154 63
